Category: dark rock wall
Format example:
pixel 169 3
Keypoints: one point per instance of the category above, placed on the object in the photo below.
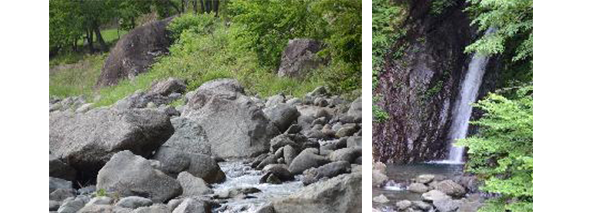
pixel 418 88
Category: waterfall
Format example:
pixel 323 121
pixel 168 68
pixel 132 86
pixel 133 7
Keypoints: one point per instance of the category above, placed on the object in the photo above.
pixel 462 108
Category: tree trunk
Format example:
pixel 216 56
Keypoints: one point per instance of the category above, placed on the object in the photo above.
pixel 182 6
pixel 216 3
pixel 91 48
pixel 99 37
pixel 194 6
pixel 208 6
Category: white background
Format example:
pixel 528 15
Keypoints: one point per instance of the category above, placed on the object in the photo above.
pixel 569 89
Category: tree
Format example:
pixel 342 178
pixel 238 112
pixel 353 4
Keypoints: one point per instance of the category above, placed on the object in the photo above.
pixel 502 152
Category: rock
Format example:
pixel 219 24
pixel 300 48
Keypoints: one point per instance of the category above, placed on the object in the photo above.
pixel 58 183
pixel 174 161
pixel 193 186
pixel 272 179
pixel 403 205
pixel 270 159
pixel 280 171
pixel 168 86
pixel 132 175
pixel 358 160
pixel 345 154
pixel 378 178
pixel 142 99
pixel 418 188
pixel 192 206
pixel 280 141
pixel 236 127
pixel 347 130
pixel 422 205
pixel 380 199
pixel 354 142
pixel 447 204
pixel 469 205
pixel 102 200
pixel 72 205
pixel 289 154
pixel 135 52
pixel 87 190
pixel 134 202
pixel 305 160
pixel 329 170
pixel 188 136
pixel 299 58
pixel 275 100
pixel 59 169
pixel 84 108
pixel 425 178
pixel 258 159
pixel 53 205
pixel 268 208
pixel 320 102
pixel 434 195
pixel 87 141
pixel 294 101
pixel 318 91
pixel 282 115
pixel 293 129
pixel 235 192
pixel 61 194
pixel 155 208
pixel 338 194
pixel 355 111
pixel 94 208
pixel 451 188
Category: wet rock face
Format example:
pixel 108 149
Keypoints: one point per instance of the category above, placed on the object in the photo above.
pixel 417 90
pixel 299 57
pixel 134 52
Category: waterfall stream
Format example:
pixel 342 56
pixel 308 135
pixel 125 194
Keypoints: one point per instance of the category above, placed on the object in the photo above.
pixel 462 106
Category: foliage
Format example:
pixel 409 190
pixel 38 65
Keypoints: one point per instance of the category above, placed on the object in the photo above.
pixel 268 25
pixel 199 57
pixel 378 114
pixel 438 6
pixel 101 193
pixel 502 151
pixel 513 21
pixel 198 23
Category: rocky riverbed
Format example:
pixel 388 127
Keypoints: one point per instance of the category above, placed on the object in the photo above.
pixel 222 151
pixel 424 187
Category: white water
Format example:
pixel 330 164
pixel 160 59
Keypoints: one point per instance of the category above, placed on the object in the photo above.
pixel 462 107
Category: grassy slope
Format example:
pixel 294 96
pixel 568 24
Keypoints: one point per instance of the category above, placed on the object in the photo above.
pixel 196 58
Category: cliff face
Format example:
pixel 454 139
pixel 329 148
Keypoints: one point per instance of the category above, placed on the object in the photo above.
pixel 418 88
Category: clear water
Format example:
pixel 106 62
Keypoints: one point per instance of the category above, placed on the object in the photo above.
pixel 400 176
pixel 240 174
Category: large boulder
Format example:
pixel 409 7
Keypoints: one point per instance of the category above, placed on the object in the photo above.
pixel 326 171
pixel 130 175
pixel 59 169
pixel 338 194
pixel 450 188
pixel 299 58
pixel 189 136
pixel 86 141
pixel 235 125
pixel 135 52
pixel 193 186
pixel 174 161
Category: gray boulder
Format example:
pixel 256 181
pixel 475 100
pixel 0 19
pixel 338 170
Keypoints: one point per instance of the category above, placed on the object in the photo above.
pixel 289 154
pixel 87 141
pixel 307 159
pixel 338 194
pixel 282 115
pixel 155 208
pixel 447 204
pixel 299 58
pixel 193 186
pixel 190 205
pixel 425 178
pixel 168 86
pixel 450 188
pixel 418 188
pixel 403 205
pixel 61 194
pixel 58 183
pixel 174 161
pixel 189 136
pixel 131 175
pixel 59 169
pixel 275 100
pixel 434 195
pixel 236 127
pixel 326 171
pixel 73 204
pixel 345 154
pixel 380 199
pixel 133 202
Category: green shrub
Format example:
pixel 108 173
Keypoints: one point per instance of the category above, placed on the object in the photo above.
pixel 501 152
pixel 190 21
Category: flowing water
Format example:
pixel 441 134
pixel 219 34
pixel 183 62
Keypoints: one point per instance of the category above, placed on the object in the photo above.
pixel 240 174
pixel 400 177
pixel 462 107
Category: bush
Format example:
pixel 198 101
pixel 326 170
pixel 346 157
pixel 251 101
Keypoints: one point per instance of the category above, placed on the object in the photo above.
pixel 196 22
pixel 502 151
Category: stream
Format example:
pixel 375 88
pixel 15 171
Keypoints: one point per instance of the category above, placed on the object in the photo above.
pixel 400 176
pixel 240 174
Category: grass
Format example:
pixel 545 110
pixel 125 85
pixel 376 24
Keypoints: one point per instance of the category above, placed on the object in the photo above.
pixel 109 35
pixel 76 79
